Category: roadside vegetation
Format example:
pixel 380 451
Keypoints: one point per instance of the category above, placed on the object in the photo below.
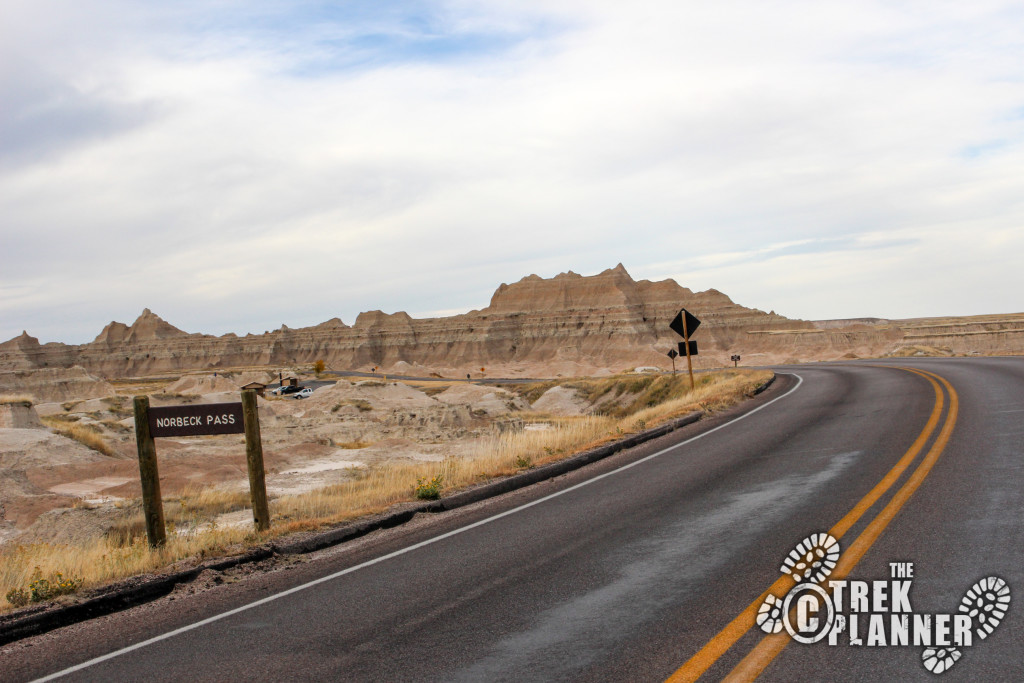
pixel 623 404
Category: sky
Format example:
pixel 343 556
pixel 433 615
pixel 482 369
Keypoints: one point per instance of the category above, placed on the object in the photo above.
pixel 235 166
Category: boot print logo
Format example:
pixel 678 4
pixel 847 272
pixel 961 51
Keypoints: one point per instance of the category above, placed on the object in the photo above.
pixel 876 613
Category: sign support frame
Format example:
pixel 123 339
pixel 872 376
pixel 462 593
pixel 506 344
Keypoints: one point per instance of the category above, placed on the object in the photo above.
pixel 254 461
pixel 187 421
pixel 152 502
pixel 689 363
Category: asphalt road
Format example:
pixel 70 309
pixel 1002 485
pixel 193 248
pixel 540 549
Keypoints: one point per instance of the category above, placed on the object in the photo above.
pixel 648 564
pixel 354 374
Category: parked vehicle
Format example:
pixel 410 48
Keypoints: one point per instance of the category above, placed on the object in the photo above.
pixel 286 389
pixel 306 392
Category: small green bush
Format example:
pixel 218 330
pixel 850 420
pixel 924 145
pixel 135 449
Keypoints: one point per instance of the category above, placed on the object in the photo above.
pixel 428 489
pixel 41 589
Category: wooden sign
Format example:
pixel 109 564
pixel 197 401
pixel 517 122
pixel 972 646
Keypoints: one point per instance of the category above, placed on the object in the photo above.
pixel 196 420
pixel 208 418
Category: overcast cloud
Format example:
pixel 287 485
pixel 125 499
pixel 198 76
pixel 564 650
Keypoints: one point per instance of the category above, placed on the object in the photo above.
pixel 238 165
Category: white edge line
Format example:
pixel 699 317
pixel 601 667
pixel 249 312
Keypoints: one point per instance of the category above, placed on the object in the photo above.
pixel 402 551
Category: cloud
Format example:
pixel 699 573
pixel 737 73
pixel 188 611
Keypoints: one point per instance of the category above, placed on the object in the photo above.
pixel 321 159
pixel 43 117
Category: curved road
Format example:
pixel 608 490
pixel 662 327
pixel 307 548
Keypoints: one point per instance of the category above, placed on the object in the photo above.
pixel 648 565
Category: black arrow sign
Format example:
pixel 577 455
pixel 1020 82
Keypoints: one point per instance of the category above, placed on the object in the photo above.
pixel 692 324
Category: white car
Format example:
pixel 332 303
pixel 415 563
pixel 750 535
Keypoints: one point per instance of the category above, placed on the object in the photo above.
pixel 306 392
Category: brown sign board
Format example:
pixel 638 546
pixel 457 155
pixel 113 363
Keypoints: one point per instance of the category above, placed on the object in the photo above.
pixel 196 420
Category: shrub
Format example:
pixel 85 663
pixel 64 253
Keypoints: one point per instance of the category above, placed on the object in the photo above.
pixel 41 588
pixel 18 597
pixel 428 489
pixel 47 589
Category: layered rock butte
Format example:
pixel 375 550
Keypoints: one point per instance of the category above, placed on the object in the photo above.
pixel 569 324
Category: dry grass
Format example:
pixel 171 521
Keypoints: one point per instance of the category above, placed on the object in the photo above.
pixel 17 399
pixel 108 559
pixel 117 406
pixel 87 435
pixel 361 404
pixel 203 503
pixel 351 445
pixel 123 552
pixel 116 426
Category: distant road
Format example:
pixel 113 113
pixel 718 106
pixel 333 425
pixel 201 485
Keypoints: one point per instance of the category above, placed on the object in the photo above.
pixel 472 380
pixel 645 565
pixel 409 378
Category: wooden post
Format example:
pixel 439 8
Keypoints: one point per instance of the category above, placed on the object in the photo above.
pixel 686 341
pixel 254 458
pixel 152 504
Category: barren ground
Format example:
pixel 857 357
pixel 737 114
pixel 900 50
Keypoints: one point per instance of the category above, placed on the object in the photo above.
pixel 54 489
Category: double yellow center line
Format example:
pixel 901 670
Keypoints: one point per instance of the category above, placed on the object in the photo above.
pixel 771 645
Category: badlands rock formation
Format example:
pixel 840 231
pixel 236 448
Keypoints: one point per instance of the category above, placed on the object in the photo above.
pixel 568 325
pixel 18 415
pixel 54 384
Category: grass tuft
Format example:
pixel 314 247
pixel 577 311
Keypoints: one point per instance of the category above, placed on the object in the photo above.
pixel 85 434
pixel 352 445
